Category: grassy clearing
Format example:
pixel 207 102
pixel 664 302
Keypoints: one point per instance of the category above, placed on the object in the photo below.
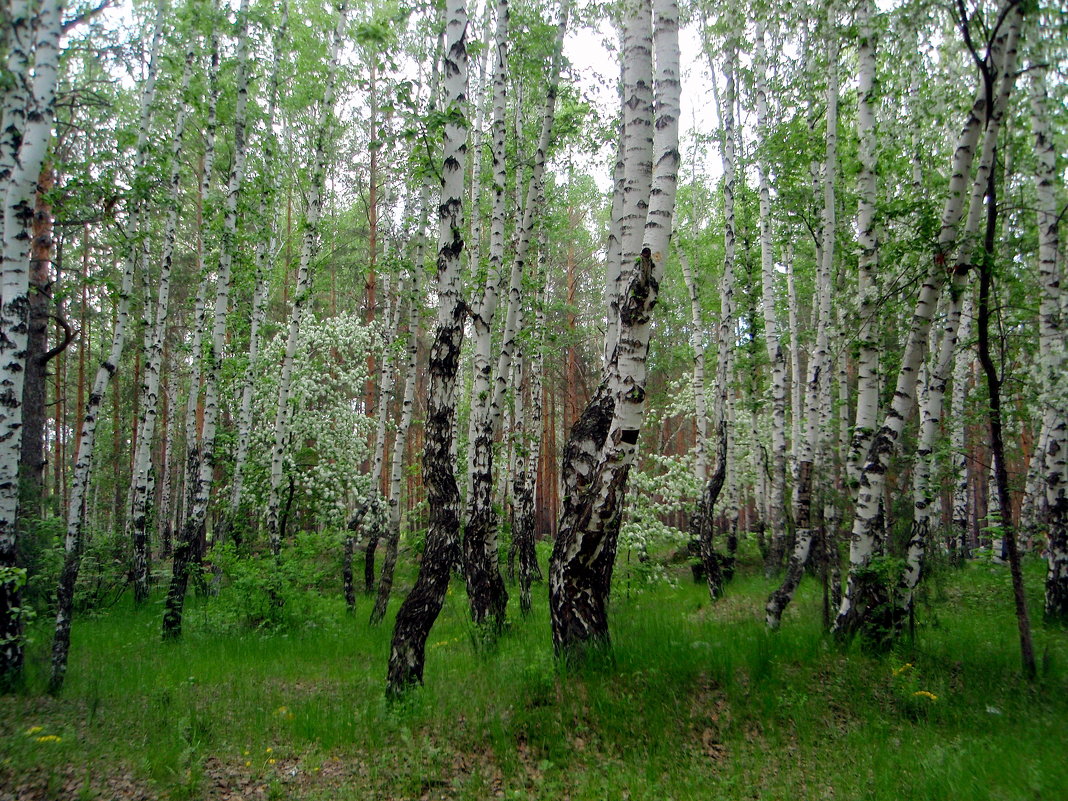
pixel 697 701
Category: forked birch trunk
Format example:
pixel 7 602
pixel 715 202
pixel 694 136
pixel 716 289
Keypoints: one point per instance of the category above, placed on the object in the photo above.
pixel 485 587
pixel 863 591
pixel 581 569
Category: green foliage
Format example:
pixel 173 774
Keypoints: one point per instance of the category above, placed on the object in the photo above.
pixel 260 592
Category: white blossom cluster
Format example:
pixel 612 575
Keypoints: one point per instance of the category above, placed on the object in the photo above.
pixel 327 430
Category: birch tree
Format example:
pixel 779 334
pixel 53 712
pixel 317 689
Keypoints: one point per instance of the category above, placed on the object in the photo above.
pixel 27 114
pixel 813 451
pixel 264 249
pixel 776 354
pixel 83 464
pixel 423 604
pixel 581 567
pixel 138 521
pixel 862 590
pixel 201 460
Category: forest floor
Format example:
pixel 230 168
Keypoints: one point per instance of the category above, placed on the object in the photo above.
pixel 698 701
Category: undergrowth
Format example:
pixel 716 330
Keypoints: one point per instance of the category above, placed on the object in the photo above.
pixel 695 700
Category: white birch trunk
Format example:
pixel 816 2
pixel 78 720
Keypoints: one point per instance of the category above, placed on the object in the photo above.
pixel 867 291
pixel 423 604
pixel 33 105
pixel 82 471
pixel 813 453
pixel 581 567
pixel 1053 349
pixel 699 391
pixel 776 496
pixel 959 456
pixel 485 588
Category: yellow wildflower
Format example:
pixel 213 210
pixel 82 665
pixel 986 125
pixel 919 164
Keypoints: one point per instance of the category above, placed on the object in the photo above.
pixel 905 667
pixel 269 750
pixel 926 694
pixel 34 730
pixel 248 764
pixel 49 738
pixel 271 761
pixel 281 711
pixel 246 752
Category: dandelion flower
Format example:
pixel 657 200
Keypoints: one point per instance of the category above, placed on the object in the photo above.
pixel 926 694
pixel 271 761
pixel 905 667
pixel 34 730
pixel 281 711
pixel 49 738
pixel 269 750
pixel 248 764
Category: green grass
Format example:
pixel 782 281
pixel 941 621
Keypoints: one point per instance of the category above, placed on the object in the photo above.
pixel 695 701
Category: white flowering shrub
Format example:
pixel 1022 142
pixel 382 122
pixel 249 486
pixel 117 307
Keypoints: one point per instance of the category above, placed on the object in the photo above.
pixel 666 485
pixel 328 433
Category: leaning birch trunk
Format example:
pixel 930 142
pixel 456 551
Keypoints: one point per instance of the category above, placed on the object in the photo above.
pixel 80 482
pixel 264 248
pixel 867 291
pixel 862 594
pixel 389 563
pixel 777 490
pixel 485 587
pixel 18 207
pixel 201 462
pixel 423 604
pixel 309 236
pixel 724 336
pixel 931 405
pixel 83 466
pixel 138 523
pixel 1053 347
pixel 581 568
pixel 813 452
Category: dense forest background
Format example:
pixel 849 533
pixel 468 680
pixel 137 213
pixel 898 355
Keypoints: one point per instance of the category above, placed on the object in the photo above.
pixel 307 308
